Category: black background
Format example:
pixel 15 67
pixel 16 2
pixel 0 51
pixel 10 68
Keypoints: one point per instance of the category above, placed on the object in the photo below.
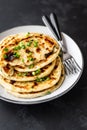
pixel 68 112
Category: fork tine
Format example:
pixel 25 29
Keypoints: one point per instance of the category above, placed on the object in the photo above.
pixel 74 65
pixel 77 66
pixel 74 69
pixel 67 68
pixel 70 65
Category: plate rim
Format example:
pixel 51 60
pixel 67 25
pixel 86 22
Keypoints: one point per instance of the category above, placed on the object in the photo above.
pixel 55 96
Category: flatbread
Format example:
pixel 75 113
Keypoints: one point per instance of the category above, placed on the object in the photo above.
pixel 18 50
pixel 11 74
pixel 34 86
pixel 40 93
pixel 39 65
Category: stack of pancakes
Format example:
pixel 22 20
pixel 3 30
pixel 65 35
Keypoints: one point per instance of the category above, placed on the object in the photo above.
pixel 30 65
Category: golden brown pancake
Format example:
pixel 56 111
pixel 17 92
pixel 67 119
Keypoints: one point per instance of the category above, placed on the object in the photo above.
pixel 40 93
pixel 38 85
pixel 23 50
pixel 10 73
pixel 30 65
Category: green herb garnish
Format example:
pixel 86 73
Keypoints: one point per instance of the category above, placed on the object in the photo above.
pixel 6 49
pixel 23 60
pixel 47 78
pixel 19 74
pixel 25 73
pixel 38 71
pixel 21 43
pixel 48 92
pixel 30 53
pixel 16 55
pixel 42 79
pixel 39 80
pixel 31 66
pixel 31 59
pixel 35 44
pixel 23 46
pixel 29 43
pixel 5 56
pixel 17 48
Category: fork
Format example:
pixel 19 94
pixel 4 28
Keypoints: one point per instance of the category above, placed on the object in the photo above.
pixel 71 66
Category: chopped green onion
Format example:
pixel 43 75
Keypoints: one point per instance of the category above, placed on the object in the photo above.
pixel 42 79
pixel 23 46
pixel 39 80
pixel 30 53
pixel 31 59
pixel 5 56
pixel 31 66
pixel 23 60
pixel 16 55
pixel 25 73
pixel 47 78
pixel 38 71
pixel 35 44
pixel 29 43
pixel 17 48
pixel 48 92
pixel 21 43
pixel 6 49
pixel 19 74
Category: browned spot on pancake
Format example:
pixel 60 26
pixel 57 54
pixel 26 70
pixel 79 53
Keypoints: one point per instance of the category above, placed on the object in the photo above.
pixel 2 47
pixel 47 49
pixel 6 68
pixel 25 87
pixel 12 81
pixel 48 54
pixel 42 44
pixel 44 60
pixel 27 51
pixel 42 70
pixel 51 42
pixel 10 56
pixel 21 67
pixel 45 67
pixel 55 66
pixel 35 83
pixel 52 78
pixel 41 34
pixel 29 74
pixel 38 50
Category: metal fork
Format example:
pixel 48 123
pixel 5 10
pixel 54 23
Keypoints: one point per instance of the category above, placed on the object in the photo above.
pixel 71 66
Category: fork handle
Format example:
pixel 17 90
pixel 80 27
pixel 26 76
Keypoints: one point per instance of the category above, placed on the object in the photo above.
pixel 54 21
pixel 55 24
pixel 47 22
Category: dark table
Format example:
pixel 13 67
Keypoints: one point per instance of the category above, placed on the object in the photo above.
pixel 68 112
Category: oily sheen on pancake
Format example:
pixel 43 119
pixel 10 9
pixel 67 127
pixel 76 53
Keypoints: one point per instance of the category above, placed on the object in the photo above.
pixel 35 86
pixel 25 49
pixel 40 93
pixel 30 65
pixel 12 74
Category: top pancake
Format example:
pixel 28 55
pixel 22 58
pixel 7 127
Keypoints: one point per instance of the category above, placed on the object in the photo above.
pixel 24 49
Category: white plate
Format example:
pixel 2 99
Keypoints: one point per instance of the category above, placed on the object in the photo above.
pixel 69 81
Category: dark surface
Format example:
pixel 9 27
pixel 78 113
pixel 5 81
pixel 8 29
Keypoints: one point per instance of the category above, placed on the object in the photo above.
pixel 68 112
